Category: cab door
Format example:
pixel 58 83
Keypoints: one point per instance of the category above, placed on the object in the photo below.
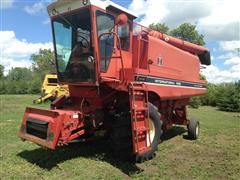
pixel 113 47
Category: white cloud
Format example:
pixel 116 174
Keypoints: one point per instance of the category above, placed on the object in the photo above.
pixel 236 68
pixel 223 22
pixel 233 61
pixel 172 13
pixel 212 57
pixel 186 11
pixel 229 73
pixel 220 32
pixel 38 6
pixel 216 75
pixel 35 8
pixel 138 7
pixel 226 55
pixel 230 60
pixel 150 10
pixel 6 4
pixel 229 45
pixel 9 63
pixel 46 21
pixel 16 52
pixel 217 20
pixel 223 12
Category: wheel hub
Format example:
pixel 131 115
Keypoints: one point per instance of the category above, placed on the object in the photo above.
pixel 197 130
pixel 151 134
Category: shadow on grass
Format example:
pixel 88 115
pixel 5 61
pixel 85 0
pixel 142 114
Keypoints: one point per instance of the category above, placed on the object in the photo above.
pixel 95 150
pixel 173 132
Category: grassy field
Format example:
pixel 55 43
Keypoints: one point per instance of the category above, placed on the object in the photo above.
pixel 215 155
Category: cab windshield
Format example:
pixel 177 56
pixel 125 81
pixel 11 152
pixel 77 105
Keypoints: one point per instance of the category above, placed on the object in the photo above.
pixel 73 45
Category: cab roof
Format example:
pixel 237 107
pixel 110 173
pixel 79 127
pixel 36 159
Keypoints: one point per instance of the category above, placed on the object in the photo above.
pixel 62 6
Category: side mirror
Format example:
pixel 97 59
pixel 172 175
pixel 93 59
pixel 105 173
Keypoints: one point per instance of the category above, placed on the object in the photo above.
pixel 121 19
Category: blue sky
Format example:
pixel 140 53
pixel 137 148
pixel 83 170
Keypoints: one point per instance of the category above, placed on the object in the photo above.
pixel 33 26
pixel 25 28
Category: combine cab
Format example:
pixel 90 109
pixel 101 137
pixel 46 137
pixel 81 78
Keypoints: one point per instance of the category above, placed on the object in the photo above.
pixel 123 78
pixel 51 89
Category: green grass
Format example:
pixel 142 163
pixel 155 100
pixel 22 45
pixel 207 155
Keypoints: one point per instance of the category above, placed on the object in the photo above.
pixel 215 155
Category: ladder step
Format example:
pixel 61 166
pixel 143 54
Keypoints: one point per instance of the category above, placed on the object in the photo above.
pixel 138 88
pixel 138 93
pixel 140 109
pixel 140 116
pixel 140 129
pixel 143 149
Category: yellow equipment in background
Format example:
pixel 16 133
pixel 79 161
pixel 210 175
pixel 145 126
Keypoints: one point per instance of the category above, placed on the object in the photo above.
pixel 51 89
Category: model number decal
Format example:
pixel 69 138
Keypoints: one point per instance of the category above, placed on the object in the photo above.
pixel 166 81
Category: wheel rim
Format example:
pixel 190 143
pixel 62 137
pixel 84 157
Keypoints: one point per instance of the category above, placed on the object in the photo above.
pixel 151 134
pixel 197 130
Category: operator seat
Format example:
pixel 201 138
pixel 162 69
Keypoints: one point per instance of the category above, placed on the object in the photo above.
pixel 78 68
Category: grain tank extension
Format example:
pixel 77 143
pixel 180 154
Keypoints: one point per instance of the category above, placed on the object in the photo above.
pixel 124 79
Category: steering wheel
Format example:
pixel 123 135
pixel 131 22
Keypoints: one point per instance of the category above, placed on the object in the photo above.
pixel 84 39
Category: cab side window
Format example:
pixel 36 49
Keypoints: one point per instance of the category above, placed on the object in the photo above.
pixel 124 35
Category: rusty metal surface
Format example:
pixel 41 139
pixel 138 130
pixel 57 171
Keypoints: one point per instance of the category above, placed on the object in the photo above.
pixel 36 140
pixel 63 126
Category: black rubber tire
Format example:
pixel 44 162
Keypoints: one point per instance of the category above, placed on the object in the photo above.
pixel 193 129
pixel 121 136
pixel 155 117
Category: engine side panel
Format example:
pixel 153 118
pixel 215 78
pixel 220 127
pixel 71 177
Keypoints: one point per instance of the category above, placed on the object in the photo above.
pixel 171 62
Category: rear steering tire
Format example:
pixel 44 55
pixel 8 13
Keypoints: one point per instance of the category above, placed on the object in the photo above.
pixel 121 135
pixel 193 129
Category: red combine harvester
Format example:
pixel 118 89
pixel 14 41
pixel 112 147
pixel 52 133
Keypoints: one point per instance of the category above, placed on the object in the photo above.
pixel 127 80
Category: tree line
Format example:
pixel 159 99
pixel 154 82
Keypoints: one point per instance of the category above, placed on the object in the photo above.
pixel 224 96
pixel 28 80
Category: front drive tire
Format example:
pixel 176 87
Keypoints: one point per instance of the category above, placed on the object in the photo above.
pixel 155 133
pixel 193 129
pixel 121 135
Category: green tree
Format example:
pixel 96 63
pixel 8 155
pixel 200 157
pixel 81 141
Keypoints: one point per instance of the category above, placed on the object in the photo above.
pixel 195 102
pixel 35 84
pixel 28 80
pixel 229 98
pixel 18 80
pixel 43 62
pixel 159 27
pixel 189 33
pixel 210 99
pixel 1 71
pixel 18 73
pixel 202 77
pixel 2 86
pixel 185 31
